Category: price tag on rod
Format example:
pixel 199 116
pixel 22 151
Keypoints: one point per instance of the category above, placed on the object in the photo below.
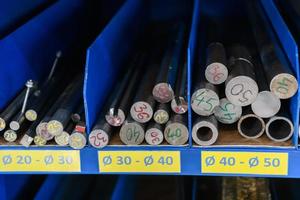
pixel 40 161
pixel 256 163
pixel 139 161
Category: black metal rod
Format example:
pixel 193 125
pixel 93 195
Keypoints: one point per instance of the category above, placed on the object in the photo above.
pixel 101 134
pixel 216 71
pixel 281 80
pixel 132 132
pixel 62 115
pixel 241 87
pixel 162 113
pixel 176 131
pixel 205 130
pixel 163 90
pixel 118 111
pixel 227 113
pixel 78 140
pixel 10 135
pixel 154 134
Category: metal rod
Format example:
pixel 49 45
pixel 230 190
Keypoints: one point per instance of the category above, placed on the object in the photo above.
pixel 10 135
pixel 216 71
pixel 154 134
pixel 179 103
pixel 281 80
pixel 176 131
pixel 132 132
pixel 227 113
pixel 205 130
pixel 101 134
pixel 165 82
pixel 118 109
pixel 62 139
pixel 61 116
pixel 39 141
pixel 161 115
pixel 205 98
pixel 266 104
pixel 241 87
pixel 29 85
pixel 58 55
pixel 77 140
pixel 250 125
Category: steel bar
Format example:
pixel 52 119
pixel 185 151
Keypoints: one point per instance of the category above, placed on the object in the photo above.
pixel 205 98
pixel 101 134
pixel 161 115
pixel 205 130
pixel 10 135
pixel 216 71
pixel 132 132
pixel 61 116
pixel 125 92
pixel 281 80
pixel 176 131
pixel 39 140
pixel 266 104
pixel 227 113
pixel 250 125
pixel 241 87
pixel 77 140
pixel 154 134
pixel 163 90
pixel 179 103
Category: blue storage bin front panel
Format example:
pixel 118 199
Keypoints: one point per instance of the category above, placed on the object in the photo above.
pixel 29 52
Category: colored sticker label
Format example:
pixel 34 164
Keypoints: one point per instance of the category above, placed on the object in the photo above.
pixel 40 161
pixel 260 163
pixel 139 161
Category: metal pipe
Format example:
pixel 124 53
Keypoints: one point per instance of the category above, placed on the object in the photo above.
pixel 205 98
pixel 205 130
pixel 216 71
pixel 161 115
pixel 250 125
pixel 227 113
pixel 61 116
pixel 176 131
pixel 179 103
pixel 281 80
pixel 241 87
pixel 132 132
pixel 125 93
pixel 154 134
pixel 163 90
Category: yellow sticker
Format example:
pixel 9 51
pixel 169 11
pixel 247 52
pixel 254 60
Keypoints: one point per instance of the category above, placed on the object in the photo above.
pixel 266 163
pixel 139 161
pixel 40 161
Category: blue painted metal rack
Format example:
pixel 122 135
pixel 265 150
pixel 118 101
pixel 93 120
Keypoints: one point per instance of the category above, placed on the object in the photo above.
pixel 107 54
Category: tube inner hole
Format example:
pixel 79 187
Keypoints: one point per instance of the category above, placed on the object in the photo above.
pixel 204 133
pixel 279 129
pixel 251 126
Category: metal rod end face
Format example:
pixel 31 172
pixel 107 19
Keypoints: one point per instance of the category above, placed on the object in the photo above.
pixel 279 129
pixel 176 133
pixel 141 112
pixel 54 127
pixel 205 133
pixel 62 139
pixel 161 116
pixel 31 115
pixel 227 113
pixel 251 126
pixel 39 141
pixel 180 108
pixel 132 133
pixel 154 136
pixel 14 125
pixel 98 138
pixel 163 92
pixel 77 140
pixel 204 101
pixel 29 83
pixel 266 104
pixel 241 90
pixel 10 135
pixel 42 131
pixel 284 85
pixel 2 124
pixel 26 140
pixel 115 120
pixel 216 73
